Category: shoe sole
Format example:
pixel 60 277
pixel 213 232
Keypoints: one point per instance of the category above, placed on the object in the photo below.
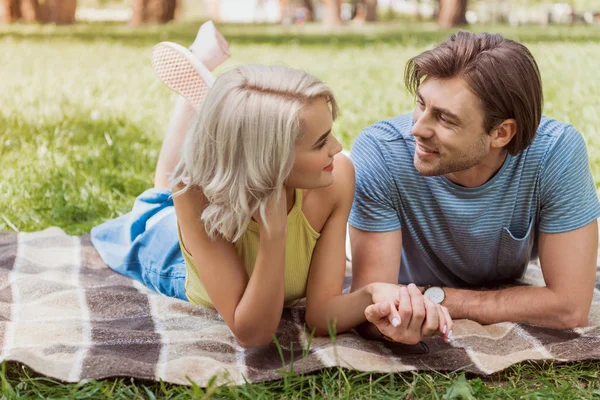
pixel 182 72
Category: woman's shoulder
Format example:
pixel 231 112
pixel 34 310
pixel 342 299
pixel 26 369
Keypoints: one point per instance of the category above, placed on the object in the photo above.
pixel 343 182
pixel 341 191
pixel 189 202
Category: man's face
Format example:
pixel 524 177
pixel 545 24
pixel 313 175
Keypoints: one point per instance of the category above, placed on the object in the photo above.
pixel 448 128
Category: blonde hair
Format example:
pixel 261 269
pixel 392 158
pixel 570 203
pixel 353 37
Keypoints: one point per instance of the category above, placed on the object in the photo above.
pixel 241 147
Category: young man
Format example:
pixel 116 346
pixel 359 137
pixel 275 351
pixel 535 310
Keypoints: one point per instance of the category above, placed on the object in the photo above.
pixel 457 197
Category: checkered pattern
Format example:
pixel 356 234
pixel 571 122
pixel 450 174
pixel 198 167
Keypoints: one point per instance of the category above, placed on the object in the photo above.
pixel 68 316
pixel 178 73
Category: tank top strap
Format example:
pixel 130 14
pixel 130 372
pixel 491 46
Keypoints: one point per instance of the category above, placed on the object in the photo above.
pixel 298 200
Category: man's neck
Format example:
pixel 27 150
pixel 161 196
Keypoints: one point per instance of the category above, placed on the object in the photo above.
pixel 480 173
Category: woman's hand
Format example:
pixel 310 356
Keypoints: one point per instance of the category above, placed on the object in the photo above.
pixel 404 315
pixel 275 216
pixel 387 297
pixel 384 293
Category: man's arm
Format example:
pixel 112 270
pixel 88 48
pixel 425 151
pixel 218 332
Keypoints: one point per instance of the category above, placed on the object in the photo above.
pixel 375 258
pixel 568 259
pixel 377 241
pixel 568 262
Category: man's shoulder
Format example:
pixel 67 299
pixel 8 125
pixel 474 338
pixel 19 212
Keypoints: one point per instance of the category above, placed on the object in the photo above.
pixel 392 129
pixel 554 141
pixel 552 133
pixel 386 143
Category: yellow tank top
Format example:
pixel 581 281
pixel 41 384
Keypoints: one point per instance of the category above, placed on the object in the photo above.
pixel 300 243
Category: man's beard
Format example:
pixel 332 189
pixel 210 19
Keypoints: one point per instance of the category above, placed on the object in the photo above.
pixel 467 159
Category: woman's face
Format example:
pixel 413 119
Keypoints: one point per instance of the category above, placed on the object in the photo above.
pixel 314 151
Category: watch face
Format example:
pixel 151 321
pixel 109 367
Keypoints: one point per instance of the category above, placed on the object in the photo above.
pixel 436 294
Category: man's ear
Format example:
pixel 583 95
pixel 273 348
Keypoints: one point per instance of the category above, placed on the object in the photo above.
pixel 503 133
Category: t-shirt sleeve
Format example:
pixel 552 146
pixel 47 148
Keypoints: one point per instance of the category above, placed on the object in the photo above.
pixel 375 201
pixel 567 191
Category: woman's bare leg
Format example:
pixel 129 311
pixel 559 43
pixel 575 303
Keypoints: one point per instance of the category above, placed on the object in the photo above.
pixel 192 79
pixel 179 124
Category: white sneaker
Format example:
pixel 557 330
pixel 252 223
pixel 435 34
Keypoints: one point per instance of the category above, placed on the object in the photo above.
pixel 210 46
pixel 187 72
pixel 182 72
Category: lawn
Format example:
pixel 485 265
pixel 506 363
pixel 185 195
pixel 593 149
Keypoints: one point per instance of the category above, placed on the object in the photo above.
pixel 81 122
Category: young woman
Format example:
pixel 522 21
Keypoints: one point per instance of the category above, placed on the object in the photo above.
pixel 254 215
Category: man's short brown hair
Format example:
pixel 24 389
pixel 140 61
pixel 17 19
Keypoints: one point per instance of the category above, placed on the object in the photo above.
pixel 500 72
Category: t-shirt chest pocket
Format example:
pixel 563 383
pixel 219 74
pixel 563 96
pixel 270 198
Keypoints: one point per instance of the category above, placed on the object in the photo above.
pixel 514 253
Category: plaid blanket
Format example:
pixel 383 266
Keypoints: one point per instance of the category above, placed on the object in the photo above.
pixel 68 316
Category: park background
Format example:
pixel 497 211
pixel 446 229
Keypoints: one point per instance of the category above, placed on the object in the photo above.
pixel 82 116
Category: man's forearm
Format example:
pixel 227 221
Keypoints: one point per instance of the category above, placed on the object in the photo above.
pixel 534 305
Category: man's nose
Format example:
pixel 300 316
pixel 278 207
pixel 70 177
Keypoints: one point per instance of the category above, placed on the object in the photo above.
pixel 421 126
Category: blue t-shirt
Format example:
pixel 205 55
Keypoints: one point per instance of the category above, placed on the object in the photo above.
pixel 458 236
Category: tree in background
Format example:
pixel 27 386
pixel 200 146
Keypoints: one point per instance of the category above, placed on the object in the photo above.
pixel 48 11
pixel 452 13
pixel 153 11
pixel 31 11
pixel 59 11
pixel 366 11
pixel 11 11
pixel 332 13
pixel 310 16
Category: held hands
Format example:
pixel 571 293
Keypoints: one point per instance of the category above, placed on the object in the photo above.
pixel 403 314
pixel 275 216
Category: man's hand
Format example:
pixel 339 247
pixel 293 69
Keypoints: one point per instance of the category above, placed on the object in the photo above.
pixel 416 317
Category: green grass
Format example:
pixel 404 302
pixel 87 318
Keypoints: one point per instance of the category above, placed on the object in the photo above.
pixel 530 381
pixel 81 122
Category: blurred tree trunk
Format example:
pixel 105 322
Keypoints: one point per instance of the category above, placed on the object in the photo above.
pixel 452 13
pixel 12 11
pixel 138 8
pixel 370 7
pixel 332 15
pixel 366 11
pixel 153 11
pixel 31 11
pixel 60 12
pixel 55 11
pixel 310 15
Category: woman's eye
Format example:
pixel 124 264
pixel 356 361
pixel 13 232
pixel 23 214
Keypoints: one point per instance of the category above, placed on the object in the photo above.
pixel 323 143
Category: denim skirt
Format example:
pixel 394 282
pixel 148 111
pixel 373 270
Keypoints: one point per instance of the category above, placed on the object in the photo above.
pixel 143 244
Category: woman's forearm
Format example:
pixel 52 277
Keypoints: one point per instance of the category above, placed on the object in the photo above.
pixel 258 313
pixel 344 311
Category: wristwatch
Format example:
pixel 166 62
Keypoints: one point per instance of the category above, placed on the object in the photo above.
pixel 435 294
